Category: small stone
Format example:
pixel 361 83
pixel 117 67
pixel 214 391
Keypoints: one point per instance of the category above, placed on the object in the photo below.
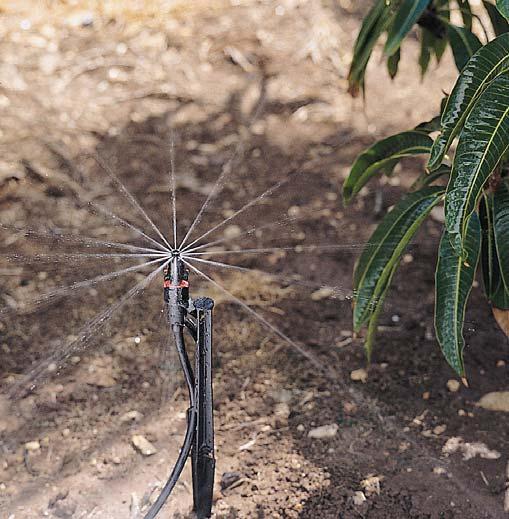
pixel 359 498
pixel 66 433
pixel 371 485
pixel 131 416
pixel 439 429
pixel 439 471
pixel 500 363
pixel 300 428
pixel 142 445
pixel 462 412
pixel 349 408
pixel 453 385
pixel 32 446
pixel 324 431
pixel 359 375
pixel 282 411
pixel 75 360
pixel 426 395
pixel 232 231
pixel 495 401
pixel 322 293
pixel 281 395
pixel 229 478
pixel 116 460
pixel 100 378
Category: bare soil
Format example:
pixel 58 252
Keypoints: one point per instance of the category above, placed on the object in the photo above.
pixel 77 80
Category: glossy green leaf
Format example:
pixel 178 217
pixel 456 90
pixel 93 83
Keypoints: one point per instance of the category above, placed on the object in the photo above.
pixel 385 247
pixel 383 153
pixel 374 24
pixel 486 64
pixel 427 47
pixel 439 47
pixel 501 230
pixel 407 14
pixel 503 7
pixel 393 63
pixel 427 179
pixel 483 141
pixel 464 44
pixel 453 282
pixel 498 22
pixel 433 125
pixel 494 287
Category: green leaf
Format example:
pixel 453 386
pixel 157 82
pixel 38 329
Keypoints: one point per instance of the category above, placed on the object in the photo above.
pixel 486 64
pixel 439 47
pixel 433 125
pixel 385 247
pixel 464 45
pixel 405 17
pixel 427 179
pixel 393 63
pixel 503 7
pixel 501 230
pixel 483 141
pixel 373 26
pixel 453 282
pixel 383 153
pixel 494 287
pixel 427 46
pixel 499 23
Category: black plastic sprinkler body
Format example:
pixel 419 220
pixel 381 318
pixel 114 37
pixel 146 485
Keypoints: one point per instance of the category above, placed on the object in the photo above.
pixel 196 317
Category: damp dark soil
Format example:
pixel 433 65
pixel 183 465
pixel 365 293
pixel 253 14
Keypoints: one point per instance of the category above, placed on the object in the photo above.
pixel 255 92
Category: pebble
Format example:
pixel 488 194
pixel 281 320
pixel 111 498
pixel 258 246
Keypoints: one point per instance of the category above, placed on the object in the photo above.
pixel 324 431
pixel 282 411
pixel 469 450
pixel 142 445
pixel 453 385
pixel 359 375
pixel 300 428
pixel 359 498
pixel 371 485
pixel 439 429
pixel 349 408
pixel 322 293
pixel 232 231
pixel 131 416
pixel 32 446
pixel 495 401
pixel 66 433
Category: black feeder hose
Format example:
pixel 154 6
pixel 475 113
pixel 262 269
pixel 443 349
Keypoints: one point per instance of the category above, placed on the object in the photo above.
pixel 190 431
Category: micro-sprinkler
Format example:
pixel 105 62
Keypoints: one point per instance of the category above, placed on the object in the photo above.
pixel 194 316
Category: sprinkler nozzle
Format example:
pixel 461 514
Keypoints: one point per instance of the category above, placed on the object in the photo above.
pixel 176 289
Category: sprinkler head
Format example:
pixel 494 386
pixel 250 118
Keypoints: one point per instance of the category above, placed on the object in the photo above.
pixel 176 289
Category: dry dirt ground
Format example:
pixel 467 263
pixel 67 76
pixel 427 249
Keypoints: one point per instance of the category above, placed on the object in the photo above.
pixel 259 85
